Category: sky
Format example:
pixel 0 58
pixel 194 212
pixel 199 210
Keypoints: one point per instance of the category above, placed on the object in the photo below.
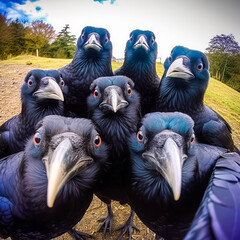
pixel 189 23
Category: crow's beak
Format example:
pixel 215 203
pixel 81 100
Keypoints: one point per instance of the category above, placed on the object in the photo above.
pixel 61 166
pixel 141 42
pixel 113 99
pixel 168 161
pixel 49 89
pixel 178 70
pixel 93 42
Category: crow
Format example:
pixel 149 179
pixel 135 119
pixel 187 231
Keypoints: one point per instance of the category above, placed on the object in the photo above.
pixel 182 89
pixel 47 188
pixel 41 95
pixel 92 59
pixel 140 65
pixel 114 106
pixel 170 173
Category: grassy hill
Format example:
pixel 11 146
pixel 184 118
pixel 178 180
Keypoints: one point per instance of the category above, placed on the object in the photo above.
pixel 220 97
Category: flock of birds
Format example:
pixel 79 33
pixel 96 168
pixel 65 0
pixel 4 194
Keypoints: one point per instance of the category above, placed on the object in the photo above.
pixel 127 136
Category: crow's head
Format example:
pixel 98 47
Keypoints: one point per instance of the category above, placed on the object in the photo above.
pixel 141 46
pixel 187 69
pixel 113 95
pixel 160 148
pixel 94 42
pixel 42 85
pixel 68 148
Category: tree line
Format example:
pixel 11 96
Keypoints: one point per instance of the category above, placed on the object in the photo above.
pixel 37 38
pixel 223 54
pixel 40 38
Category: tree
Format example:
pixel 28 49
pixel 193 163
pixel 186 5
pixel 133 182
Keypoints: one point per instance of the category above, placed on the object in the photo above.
pixel 17 37
pixel 38 35
pixel 4 38
pixel 64 45
pixel 222 49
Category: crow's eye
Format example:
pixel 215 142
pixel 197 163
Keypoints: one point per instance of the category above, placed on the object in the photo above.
pixel 140 136
pixel 129 90
pixel 30 82
pixel 169 58
pixel 153 40
pixel 97 141
pixel 192 139
pixel 95 93
pixel 106 40
pixel 37 138
pixel 200 66
pixel 82 36
pixel 62 83
pixel 131 39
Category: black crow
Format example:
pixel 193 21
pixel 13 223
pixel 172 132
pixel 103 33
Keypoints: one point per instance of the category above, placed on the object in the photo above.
pixel 170 173
pixel 140 65
pixel 46 189
pixel 41 95
pixel 182 89
pixel 115 108
pixel 92 59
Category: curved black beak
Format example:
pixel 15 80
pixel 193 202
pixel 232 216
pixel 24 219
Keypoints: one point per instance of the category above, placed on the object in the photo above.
pixel 180 70
pixel 113 99
pixel 142 42
pixel 93 42
pixel 49 89
pixel 168 160
pixel 62 164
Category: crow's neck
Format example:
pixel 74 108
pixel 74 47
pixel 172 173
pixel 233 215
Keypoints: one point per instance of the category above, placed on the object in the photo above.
pixel 85 67
pixel 149 185
pixel 179 95
pixel 116 128
pixel 143 73
pixel 33 111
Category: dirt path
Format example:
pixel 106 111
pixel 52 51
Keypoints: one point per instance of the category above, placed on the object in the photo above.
pixel 11 80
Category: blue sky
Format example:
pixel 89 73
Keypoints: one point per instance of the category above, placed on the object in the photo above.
pixel 177 22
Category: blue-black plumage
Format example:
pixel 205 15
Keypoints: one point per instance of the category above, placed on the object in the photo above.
pixel 92 59
pixel 170 173
pixel 41 95
pixel 140 65
pixel 182 89
pixel 114 106
pixel 46 189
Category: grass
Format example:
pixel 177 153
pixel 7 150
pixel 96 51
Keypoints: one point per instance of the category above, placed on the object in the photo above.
pixel 220 97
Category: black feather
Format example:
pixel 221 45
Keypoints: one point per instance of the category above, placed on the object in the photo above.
pixel 90 62
pixel 15 132
pixel 24 213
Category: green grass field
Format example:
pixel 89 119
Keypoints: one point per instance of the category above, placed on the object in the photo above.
pixel 219 96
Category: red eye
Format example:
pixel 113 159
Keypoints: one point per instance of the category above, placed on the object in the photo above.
pixel 37 138
pixel 192 139
pixel 200 66
pixel 140 136
pixel 97 141
pixel 129 91
pixel 95 93
pixel 30 82
pixel 62 83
